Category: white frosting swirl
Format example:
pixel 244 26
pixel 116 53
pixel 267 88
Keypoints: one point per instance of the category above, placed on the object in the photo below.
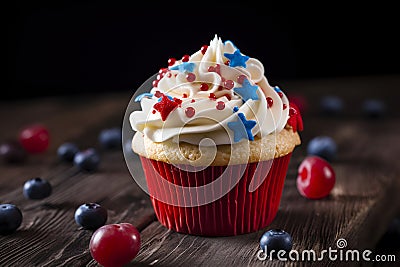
pixel 183 81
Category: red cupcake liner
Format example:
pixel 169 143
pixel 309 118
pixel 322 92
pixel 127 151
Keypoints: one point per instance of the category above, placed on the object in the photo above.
pixel 176 191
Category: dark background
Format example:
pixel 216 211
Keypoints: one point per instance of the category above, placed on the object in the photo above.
pixel 72 47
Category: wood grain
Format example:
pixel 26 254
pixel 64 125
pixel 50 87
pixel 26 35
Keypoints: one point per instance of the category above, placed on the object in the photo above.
pixel 359 209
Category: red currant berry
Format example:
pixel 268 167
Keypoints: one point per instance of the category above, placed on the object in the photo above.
pixel 171 61
pixel 115 245
pixel 204 49
pixel 34 139
pixel 316 178
pixel 185 58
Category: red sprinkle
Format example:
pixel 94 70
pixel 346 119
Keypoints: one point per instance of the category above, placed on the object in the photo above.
pixel 165 106
pixel 158 94
pixel 220 105
pixel 169 74
pixel 280 94
pixel 185 58
pixel 212 96
pixel 155 83
pixel 240 78
pixel 184 95
pixel 177 100
pixel 284 106
pixel 228 96
pixel 189 111
pixel 154 112
pixel 220 88
pixel 193 101
pixel 171 61
pixel 159 76
pixel 163 70
pixel 227 62
pixel 204 49
pixel 204 87
pixel 190 77
pixel 229 84
pixel 270 102
pixel 216 68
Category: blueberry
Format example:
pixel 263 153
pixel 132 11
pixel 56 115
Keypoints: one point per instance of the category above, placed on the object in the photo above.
pixel 12 152
pixel 110 138
pixel 37 188
pixel 322 146
pixel 331 105
pixel 91 216
pixel 373 108
pixel 67 151
pixel 276 240
pixel 10 218
pixel 87 160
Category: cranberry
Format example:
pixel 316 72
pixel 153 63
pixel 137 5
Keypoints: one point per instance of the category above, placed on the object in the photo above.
pixel 34 139
pixel 115 245
pixel 316 178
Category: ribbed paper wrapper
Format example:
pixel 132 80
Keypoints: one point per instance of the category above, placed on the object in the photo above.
pixel 239 211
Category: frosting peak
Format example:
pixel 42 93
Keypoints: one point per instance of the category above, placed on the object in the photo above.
pixel 216 93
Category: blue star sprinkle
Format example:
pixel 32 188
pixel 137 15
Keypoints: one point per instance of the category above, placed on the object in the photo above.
pixel 247 91
pixel 235 109
pixel 277 89
pixel 236 59
pixel 184 67
pixel 242 128
pixel 141 96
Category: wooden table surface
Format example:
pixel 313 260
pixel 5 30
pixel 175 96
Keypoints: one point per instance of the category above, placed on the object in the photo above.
pixel 364 201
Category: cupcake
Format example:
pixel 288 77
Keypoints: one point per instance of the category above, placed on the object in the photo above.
pixel 215 140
